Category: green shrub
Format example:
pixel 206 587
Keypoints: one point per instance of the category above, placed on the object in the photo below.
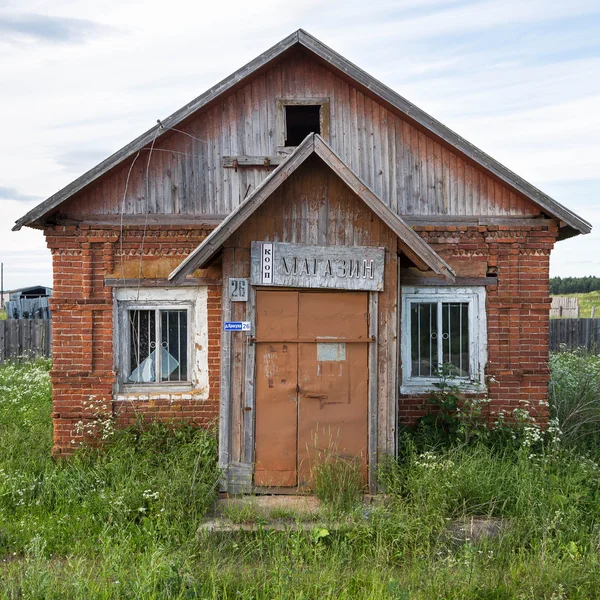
pixel 575 398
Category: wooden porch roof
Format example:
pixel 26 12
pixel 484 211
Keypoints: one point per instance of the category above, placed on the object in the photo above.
pixel 410 242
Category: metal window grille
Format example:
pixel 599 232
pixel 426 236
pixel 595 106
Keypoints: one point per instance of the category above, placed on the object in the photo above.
pixel 158 345
pixel 439 336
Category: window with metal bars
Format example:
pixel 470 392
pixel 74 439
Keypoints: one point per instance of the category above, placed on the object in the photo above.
pixel 157 345
pixel 443 329
pixel 439 336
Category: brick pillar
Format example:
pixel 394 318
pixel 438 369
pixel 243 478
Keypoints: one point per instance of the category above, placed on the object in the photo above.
pixel 82 337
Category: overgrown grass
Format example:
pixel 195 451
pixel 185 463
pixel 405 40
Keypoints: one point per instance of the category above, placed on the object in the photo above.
pixel 122 523
pixel 338 481
pixel 575 398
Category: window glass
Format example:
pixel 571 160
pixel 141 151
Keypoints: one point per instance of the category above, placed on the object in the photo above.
pixel 455 337
pixel 142 346
pixel 424 347
pixel 443 327
pixel 166 361
pixel 174 345
pixel 439 329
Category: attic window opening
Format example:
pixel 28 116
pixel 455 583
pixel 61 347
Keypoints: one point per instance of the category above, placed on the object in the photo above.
pixel 300 120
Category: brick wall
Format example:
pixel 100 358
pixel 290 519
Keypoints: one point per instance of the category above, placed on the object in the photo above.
pixel 517 310
pixel 83 325
pixel 517 313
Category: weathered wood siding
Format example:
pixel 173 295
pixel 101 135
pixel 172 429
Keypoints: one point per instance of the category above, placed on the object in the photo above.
pixel 410 171
pixel 315 207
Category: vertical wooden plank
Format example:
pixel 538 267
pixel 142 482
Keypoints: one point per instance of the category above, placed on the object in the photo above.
pixel 497 199
pixel 438 190
pixel 468 205
pixel 215 140
pixel 460 196
pixel 236 442
pixel 271 109
pixel 371 108
pixel 2 341
pixel 386 166
pixel 354 131
pixel 225 143
pixel 28 338
pixel 49 351
pixel 235 151
pixel 393 344
pixel 476 192
pixel 361 136
pixel 322 195
pixel 412 175
pixel 377 145
pixel 249 391
pixel 225 400
pixel 506 201
pixel 424 202
pixel 373 391
pixel 398 155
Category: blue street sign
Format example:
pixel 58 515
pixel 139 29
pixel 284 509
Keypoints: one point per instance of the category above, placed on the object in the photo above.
pixel 237 326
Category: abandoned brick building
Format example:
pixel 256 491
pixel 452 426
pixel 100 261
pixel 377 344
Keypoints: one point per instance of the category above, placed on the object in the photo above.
pixel 292 256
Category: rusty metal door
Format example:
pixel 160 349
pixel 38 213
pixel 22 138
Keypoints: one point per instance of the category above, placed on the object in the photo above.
pixel 276 427
pixel 311 383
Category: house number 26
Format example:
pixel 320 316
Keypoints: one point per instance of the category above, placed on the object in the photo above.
pixel 238 289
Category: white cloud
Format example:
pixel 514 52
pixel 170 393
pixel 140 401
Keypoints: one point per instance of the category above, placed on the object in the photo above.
pixel 519 79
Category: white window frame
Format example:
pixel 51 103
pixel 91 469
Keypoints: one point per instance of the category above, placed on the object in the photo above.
pixel 475 296
pixel 152 299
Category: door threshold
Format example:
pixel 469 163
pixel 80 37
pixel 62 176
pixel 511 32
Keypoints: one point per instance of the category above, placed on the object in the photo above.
pixel 282 491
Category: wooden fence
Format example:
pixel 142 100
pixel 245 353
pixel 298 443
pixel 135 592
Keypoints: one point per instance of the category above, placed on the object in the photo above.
pixel 564 307
pixel 28 308
pixel 25 338
pixel 575 333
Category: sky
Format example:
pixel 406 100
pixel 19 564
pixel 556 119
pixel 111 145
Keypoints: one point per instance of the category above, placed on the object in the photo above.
pixel 520 79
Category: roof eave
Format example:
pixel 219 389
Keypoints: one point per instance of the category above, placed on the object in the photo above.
pixel 42 209
pixel 341 64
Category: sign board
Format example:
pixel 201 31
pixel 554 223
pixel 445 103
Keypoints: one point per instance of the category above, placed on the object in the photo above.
pixel 237 326
pixel 330 267
pixel 266 263
pixel 238 289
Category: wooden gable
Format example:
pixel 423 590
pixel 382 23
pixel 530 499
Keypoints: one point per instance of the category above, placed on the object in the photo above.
pixel 206 158
pixel 408 169
pixel 313 207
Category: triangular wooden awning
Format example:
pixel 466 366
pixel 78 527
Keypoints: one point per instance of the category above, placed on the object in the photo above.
pixel 410 242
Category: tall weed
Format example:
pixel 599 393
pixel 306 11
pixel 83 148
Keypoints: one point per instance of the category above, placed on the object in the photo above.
pixel 575 397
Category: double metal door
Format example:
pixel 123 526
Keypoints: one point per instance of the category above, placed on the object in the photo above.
pixel 311 383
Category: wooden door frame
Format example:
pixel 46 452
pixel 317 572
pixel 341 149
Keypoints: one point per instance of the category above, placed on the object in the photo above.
pixel 238 477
